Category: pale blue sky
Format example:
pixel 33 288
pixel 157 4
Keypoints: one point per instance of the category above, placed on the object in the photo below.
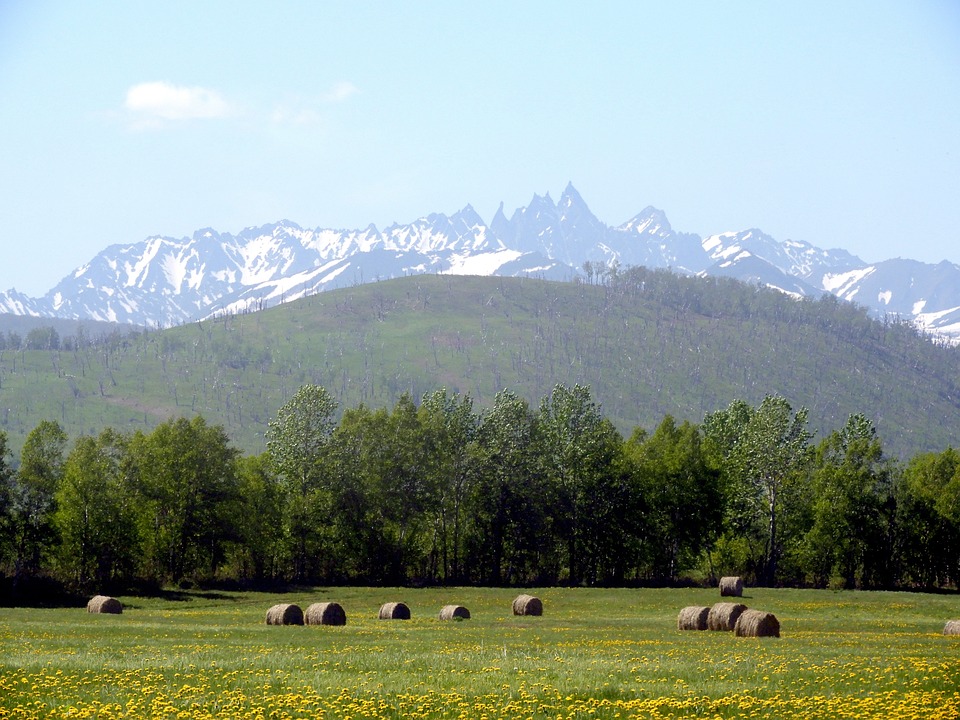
pixel 837 123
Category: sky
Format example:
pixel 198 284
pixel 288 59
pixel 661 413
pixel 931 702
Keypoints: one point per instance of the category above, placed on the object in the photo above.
pixel 833 123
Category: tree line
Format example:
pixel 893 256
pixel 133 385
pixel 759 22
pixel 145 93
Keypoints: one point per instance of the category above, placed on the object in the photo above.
pixel 435 491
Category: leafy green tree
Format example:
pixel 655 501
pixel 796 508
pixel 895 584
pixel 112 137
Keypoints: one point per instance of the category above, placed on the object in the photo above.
pixel 6 478
pixel 298 437
pixel 186 477
pixel 399 488
pixel 507 539
pixel 766 451
pixel 581 449
pixel 33 502
pixel 383 496
pixel 682 496
pixel 929 518
pixel 449 426
pixel 43 338
pixel 853 507
pixel 99 541
pixel 257 555
pixel 356 523
pixel 298 442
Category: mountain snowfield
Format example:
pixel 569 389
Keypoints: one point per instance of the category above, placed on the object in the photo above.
pixel 163 281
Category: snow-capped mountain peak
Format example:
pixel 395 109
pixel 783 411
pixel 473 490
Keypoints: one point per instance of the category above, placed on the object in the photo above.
pixel 163 280
pixel 650 220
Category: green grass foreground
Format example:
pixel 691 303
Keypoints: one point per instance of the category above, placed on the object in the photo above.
pixel 594 653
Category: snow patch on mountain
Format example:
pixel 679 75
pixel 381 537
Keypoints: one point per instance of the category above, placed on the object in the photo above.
pixel 141 263
pixel 174 269
pixel 483 264
pixel 943 324
pixel 841 283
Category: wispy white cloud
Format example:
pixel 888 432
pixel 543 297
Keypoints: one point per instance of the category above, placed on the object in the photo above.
pixel 286 115
pixel 161 101
pixel 341 91
pixel 311 110
pixel 152 105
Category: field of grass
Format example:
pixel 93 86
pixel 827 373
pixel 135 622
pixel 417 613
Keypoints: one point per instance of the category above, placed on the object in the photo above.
pixel 593 654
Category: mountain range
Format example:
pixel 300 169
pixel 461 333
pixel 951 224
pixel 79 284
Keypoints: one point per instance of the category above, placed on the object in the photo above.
pixel 163 281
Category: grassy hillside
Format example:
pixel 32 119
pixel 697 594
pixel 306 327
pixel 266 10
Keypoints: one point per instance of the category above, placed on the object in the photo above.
pixel 648 344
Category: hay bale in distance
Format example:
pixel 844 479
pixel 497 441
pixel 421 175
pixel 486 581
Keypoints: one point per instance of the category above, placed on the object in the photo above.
pixel 757 623
pixel 104 604
pixel 731 587
pixel 327 613
pixel 285 614
pixel 527 605
pixel 394 611
pixel 454 612
pixel 693 618
pixel 723 616
pixel 952 628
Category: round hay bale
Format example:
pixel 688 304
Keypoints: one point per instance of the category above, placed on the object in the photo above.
pixel 327 613
pixel 527 605
pixel 723 616
pixel 394 611
pixel 731 587
pixel 104 604
pixel 693 618
pixel 952 628
pixel 757 623
pixel 285 614
pixel 454 612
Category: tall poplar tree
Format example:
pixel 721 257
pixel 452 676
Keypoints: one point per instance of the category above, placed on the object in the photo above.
pixel 298 442
pixel 33 502
pixel 853 507
pixel 99 542
pixel 765 451
pixel 6 477
pixel 186 476
pixel 580 449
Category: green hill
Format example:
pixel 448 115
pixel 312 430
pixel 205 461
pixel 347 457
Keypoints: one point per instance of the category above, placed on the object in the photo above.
pixel 648 343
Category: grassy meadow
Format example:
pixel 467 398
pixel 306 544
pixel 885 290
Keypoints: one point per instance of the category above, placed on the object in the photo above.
pixel 593 654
